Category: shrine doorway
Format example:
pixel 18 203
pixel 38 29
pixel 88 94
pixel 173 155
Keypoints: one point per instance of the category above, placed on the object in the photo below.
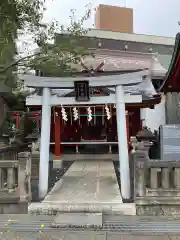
pixel 88 136
pixel 135 124
pixel 99 129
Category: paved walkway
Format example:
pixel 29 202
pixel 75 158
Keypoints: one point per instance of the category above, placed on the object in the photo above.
pixel 87 182
pixel 86 186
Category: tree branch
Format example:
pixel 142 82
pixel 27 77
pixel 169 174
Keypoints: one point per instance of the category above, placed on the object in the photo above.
pixel 18 61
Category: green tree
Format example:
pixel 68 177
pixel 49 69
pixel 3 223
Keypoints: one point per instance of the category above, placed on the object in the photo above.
pixel 25 16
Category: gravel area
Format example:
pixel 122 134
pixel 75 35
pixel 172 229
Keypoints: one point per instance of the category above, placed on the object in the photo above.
pixel 54 176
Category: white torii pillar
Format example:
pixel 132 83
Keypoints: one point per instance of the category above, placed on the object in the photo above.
pixel 44 144
pixel 122 143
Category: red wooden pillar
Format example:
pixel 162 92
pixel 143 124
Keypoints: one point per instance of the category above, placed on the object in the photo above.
pixel 18 120
pixel 16 117
pixel 141 125
pixel 57 134
pixel 37 123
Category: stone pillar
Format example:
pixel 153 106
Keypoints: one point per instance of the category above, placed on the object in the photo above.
pixel 24 177
pixel 122 143
pixel 44 144
pixel 140 163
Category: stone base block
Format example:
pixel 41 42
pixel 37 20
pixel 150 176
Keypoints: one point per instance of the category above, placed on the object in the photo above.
pixel 57 163
pixel 78 220
pixel 128 209
pixel 14 208
pixel 158 210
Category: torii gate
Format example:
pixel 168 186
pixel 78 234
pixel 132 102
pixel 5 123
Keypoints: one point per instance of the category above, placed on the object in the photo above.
pixel 117 81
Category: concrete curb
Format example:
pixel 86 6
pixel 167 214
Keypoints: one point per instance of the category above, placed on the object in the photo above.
pixel 49 208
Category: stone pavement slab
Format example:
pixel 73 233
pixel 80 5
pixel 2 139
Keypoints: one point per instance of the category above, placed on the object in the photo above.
pixel 87 182
pixel 87 186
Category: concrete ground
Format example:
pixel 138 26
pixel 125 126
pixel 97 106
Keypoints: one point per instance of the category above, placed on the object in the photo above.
pixel 30 227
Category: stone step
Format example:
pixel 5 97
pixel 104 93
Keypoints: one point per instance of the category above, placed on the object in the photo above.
pixel 49 208
pixel 128 209
pixel 78 220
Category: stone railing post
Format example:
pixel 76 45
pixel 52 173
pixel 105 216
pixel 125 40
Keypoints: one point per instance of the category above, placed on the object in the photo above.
pixel 165 178
pixel 140 167
pixel 11 178
pixel 154 177
pixel 24 176
pixel 134 142
pixel 1 178
pixel 177 178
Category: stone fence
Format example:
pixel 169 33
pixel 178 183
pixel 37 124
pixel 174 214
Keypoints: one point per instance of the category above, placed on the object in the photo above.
pixel 11 152
pixel 15 180
pixel 156 184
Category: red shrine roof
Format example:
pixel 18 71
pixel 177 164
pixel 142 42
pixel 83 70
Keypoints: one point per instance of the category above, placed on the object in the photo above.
pixel 172 78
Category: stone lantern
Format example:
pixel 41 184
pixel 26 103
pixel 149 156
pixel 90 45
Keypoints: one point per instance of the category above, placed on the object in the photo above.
pixel 145 135
pixel 145 138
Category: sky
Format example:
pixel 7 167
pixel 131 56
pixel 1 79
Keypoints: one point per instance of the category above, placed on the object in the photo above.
pixel 153 17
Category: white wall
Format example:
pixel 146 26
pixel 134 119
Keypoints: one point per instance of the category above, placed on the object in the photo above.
pixel 151 39
pixel 153 118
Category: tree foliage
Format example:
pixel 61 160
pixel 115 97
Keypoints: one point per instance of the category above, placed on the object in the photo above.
pixel 15 17
pixel 56 54
pixel 67 50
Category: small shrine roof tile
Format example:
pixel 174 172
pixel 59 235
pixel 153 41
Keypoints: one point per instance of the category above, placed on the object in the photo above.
pixel 122 60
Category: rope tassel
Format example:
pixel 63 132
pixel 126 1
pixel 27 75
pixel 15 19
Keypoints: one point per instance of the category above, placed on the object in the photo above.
pixel 108 114
pixel 89 114
pixel 75 114
pixel 64 114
